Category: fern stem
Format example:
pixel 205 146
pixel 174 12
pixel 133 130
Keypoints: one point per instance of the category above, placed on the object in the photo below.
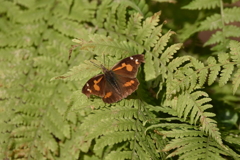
pixel 222 19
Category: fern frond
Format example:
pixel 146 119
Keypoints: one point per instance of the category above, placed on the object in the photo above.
pixel 154 66
pixel 140 153
pixel 195 147
pixel 75 72
pixel 232 31
pixel 194 105
pixel 234 51
pixel 226 74
pixel 110 139
pixel 214 70
pixel 202 71
pixel 133 24
pixel 215 38
pixel 67 27
pixel 202 4
pixel 149 67
pixel 31 16
pixel 167 55
pixel 187 142
pixel 145 31
pixel 153 38
pixel 236 81
pixel 119 155
pixel 177 133
pixel 159 47
pixel 176 62
pixel 74 146
pixel 218 21
pixel 121 19
pixel 45 119
pixel 87 11
pixel 211 23
pixel 234 54
pixel 102 13
pixel 230 15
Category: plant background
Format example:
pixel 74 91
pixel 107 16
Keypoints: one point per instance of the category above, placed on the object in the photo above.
pixel 187 106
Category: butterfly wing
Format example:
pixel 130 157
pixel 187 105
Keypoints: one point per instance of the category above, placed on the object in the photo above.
pixel 117 83
pixel 111 95
pixel 128 67
pixel 126 87
pixel 95 86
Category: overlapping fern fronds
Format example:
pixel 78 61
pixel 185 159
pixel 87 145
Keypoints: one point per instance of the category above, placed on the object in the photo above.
pixel 223 23
pixel 43 117
pixel 34 116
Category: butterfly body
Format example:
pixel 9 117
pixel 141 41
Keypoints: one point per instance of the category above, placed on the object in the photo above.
pixel 116 83
pixel 112 80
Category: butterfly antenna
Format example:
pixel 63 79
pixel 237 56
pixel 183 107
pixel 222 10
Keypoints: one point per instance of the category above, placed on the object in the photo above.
pixel 104 59
pixel 95 64
pixel 108 62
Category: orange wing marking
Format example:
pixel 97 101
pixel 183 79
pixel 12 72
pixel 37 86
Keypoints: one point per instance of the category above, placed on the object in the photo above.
pixel 96 86
pixel 127 84
pixel 129 67
pixel 108 94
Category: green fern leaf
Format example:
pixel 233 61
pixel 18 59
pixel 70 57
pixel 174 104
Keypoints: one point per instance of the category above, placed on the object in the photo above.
pixel 211 23
pixel 202 71
pixel 54 120
pixel 234 47
pixel 169 52
pixel 101 123
pixel 134 24
pixel 74 145
pixel 87 11
pixel 119 155
pixel 214 70
pixel 121 19
pixel 234 53
pixel 236 81
pixel 226 74
pixel 230 14
pixel 215 38
pixel 113 138
pixel 202 4
pixel 183 142
pixel 203 148
pixel 146 29
pixel 223 58
pixel 102 13
pixel 175 63
pixel 104 44
pixel 140 153
pixel 153 62
pixel 75 72
pixel 46 141
pixel 153 38
pixel 31 16
pixel 110 23
pixel 67 27
pixel 180 133
pixel 158 48
pixel 232 31
pixel 149 68
pixel 196 103
pixel 188 30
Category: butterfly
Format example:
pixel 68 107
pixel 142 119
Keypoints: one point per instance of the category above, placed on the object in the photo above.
pixel 118 82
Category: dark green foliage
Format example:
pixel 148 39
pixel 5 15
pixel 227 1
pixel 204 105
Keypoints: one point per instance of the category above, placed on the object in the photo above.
pixel 186 107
